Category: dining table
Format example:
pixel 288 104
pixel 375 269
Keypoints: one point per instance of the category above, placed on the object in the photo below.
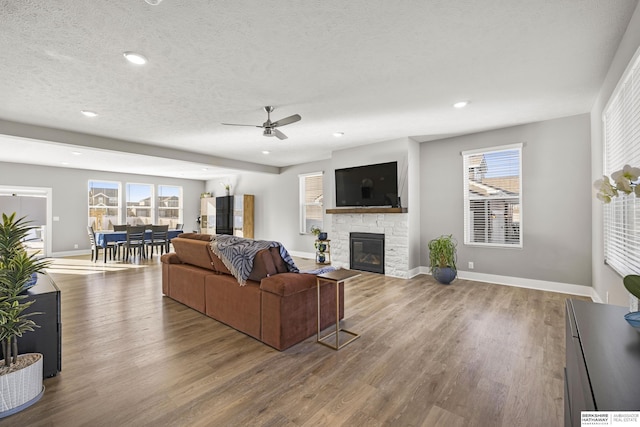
pixel 103 238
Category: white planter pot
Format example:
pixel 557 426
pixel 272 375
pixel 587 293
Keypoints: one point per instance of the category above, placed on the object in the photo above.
pixel 22 388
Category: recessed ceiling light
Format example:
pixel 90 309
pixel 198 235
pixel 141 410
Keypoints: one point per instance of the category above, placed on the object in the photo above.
pixel 153 2
pixel 135 58
pixel 76 153
pixel 64 163
pixel 89 113
pixel 338 134
pixel 266 152
pixel 461 104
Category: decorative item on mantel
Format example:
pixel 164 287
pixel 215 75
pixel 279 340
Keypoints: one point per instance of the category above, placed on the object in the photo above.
pixel 227 188
pixel 624 181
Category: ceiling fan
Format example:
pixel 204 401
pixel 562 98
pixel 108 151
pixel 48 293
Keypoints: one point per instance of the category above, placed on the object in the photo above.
pixel 269 126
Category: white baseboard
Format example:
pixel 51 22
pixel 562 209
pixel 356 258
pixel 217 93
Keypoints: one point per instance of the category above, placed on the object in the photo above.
pixel 521 282
pixel 306 255
pixel 70 253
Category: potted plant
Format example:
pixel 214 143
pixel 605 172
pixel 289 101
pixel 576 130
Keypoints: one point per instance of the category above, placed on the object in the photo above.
pixel 320 235
pixel 442 258
pixel 20 375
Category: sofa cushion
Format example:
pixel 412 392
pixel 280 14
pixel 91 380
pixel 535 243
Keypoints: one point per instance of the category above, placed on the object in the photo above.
pixel 263 266
pixel 194 252
pixel 195 236
pixel 281 266
pixel 218 265
pixel 286 284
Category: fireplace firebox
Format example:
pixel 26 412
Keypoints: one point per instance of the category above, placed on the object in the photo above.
pixel 366 252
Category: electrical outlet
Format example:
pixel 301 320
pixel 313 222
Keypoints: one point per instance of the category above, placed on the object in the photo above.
pixel 75 246
pixel 470 265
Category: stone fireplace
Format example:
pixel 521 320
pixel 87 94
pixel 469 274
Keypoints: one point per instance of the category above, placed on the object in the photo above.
pixel 394 227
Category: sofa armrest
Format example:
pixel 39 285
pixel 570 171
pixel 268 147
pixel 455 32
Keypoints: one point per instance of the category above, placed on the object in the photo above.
pixel 170 258
pixel 285 284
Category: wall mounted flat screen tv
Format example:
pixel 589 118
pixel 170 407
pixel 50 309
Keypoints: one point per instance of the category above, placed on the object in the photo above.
pixel 371 185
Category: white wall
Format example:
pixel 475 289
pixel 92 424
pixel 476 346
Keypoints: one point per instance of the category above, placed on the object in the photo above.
pixel 277 209
pixel 556 206
pixel 70 196
pixel 606 280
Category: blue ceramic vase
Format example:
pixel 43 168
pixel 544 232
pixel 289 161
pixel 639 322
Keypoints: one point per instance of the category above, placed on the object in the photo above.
pixel 444 275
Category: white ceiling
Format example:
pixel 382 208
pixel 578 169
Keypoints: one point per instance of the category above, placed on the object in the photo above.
pixel 376 70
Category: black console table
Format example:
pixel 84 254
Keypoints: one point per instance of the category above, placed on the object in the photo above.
pixel 602 371
pixel 47 339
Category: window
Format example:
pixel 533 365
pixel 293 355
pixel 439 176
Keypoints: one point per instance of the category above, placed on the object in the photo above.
pixel 492 196
pixel 139 204
pixel 169 205
pixel 104 204
pixel 311 201
pixel 621 128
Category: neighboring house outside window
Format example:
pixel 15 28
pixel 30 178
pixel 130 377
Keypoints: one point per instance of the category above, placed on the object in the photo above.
pixel 311 198
pixel 169 205
pixel 493 196
pixel 104 204
pixel 140 206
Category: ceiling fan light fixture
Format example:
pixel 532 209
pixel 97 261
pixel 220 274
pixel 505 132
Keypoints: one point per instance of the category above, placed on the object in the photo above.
pixel 268 132
pixel 135 58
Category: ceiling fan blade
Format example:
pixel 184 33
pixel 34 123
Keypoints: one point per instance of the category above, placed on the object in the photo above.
pixel 279 134
pixel 236 124
pixel 286 121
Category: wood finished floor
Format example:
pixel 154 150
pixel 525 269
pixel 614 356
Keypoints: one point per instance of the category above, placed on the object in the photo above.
pixel 467 354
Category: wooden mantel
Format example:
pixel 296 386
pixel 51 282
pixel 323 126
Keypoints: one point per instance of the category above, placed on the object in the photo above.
pixel 366 210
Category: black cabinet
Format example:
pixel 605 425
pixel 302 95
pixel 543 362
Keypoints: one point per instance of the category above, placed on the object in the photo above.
pixel 47 339
pixel 224 215
pixel 602 371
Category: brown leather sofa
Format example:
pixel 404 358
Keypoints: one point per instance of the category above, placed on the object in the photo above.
pixel 276 307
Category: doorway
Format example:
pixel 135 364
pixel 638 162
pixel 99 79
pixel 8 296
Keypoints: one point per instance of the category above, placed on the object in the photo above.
pixel 35 204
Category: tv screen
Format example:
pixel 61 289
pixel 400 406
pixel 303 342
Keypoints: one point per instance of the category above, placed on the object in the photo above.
pixel 371 185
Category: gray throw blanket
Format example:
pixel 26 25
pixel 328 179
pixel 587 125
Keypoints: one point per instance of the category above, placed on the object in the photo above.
pixel 238 254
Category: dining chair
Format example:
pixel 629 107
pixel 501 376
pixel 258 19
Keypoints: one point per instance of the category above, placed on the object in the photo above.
pixel 95 248
pixel 135 240
pixel 120 243
pixel 159 238
pixel 179 226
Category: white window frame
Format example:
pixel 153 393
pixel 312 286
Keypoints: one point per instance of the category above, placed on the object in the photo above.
pixel 303 216
pixel 152 213
pixel 180 202
pixel 621 145
pixel 118 206
pixel 468 216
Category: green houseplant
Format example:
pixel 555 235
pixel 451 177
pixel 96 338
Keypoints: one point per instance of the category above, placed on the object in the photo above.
pixel 20 376
pixel 442 258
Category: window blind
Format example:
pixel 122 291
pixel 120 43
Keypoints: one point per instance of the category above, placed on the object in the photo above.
pixel 492 196
pixel 621 134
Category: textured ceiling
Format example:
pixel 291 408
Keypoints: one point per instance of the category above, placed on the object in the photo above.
pixel 375 70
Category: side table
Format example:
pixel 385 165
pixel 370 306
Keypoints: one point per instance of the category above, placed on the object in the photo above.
pixel 338 277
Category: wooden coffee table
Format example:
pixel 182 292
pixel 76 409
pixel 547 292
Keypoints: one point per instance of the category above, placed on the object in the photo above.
pixel 337 277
